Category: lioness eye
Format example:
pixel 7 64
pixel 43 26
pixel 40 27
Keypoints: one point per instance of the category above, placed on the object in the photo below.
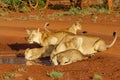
pixel 66 61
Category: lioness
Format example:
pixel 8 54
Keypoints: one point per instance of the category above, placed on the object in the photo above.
pixel 45 39
pixel 50 38
pixel 87 45
pixel 35 53
pixel 73 29
pixel 69 56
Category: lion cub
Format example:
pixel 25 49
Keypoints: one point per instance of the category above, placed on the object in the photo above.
pixel 69 56
pixel 32 54
pixel 35 53
pixel 73 29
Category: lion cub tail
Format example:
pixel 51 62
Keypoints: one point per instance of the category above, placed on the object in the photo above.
pixel 113 42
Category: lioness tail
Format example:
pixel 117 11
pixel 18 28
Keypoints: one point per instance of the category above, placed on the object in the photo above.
pixel 113 42
pixel 45 26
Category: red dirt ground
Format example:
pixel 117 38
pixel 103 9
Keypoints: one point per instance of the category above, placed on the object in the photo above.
pixel 12 41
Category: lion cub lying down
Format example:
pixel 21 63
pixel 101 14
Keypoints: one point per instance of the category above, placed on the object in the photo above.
pixel 35 53
pixel 69 56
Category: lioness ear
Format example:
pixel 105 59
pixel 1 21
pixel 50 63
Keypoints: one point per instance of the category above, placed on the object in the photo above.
pixel 28 31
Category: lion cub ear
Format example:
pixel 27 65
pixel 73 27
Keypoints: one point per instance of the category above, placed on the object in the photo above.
pixel 75 24
pixel 27 49
pixel 78 25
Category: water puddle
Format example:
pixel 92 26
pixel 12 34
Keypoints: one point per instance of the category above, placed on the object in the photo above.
pixel 12 60
pixel 22 60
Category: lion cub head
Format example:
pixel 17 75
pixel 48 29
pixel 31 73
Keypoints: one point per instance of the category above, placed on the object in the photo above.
pixel 74 28
pixel 35 53
pixel 68 57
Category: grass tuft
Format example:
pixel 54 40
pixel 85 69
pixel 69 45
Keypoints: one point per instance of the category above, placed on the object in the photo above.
pixel 8 76
pixel 55 74
pixel 97 76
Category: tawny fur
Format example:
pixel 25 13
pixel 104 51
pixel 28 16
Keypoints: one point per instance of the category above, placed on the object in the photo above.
pixel 45 39
pixel 69 56
pixel 50 38
pixel 35 53
pixel 29 63
pixel 65 40
pixel 87 45
pixel 73 29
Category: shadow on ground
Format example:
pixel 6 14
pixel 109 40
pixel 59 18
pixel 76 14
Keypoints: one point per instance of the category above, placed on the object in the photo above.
pixel 23 46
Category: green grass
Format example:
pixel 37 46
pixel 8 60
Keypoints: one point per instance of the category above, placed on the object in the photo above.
pixel 21 5
pixel 94 17
pixel 22 18
pixel 97 76
pixel 3 13
pixel 7 19
pixel 55 74
pixel 33 17
pixel 8 76
pixel 83 12
pixel 17 5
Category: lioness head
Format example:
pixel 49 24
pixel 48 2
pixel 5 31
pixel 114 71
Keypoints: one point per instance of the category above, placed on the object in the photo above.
pixel 33 35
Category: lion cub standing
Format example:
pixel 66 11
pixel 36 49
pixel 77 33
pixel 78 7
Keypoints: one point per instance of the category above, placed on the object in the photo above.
pixel 73 29
pixel 69 56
